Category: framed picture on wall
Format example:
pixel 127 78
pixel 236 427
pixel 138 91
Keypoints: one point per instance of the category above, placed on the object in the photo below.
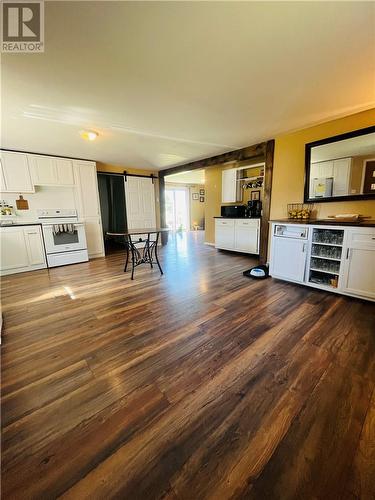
pixel 255 195
pixel 201 199
pixel 201 192
pixel 195 196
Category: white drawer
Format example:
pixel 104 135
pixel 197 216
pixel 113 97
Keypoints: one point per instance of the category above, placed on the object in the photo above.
pixel 362 236
pixel 224 222
pixel 247 222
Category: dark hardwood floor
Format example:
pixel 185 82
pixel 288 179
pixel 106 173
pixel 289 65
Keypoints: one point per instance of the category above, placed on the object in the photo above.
pixel 198 384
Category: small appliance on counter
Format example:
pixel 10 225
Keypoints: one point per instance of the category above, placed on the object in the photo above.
pixel 233 211
pixel 254 209
pixel 64 236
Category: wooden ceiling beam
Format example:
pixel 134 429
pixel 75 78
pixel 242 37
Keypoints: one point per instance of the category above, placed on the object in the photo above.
pixel 257 151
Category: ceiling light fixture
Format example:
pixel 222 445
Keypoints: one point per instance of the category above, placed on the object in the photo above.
pixel 88 135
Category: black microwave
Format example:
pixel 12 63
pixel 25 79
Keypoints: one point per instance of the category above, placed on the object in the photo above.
pixel 233 211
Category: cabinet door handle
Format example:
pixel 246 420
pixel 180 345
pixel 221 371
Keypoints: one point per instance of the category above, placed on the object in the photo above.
pixel 32 232
pixel 304 248
pixel 347 253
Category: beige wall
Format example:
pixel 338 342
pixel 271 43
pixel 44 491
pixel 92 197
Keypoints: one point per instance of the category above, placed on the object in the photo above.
pixel 289 167
pixel 197 208
pixel 213 200
pixel 106 167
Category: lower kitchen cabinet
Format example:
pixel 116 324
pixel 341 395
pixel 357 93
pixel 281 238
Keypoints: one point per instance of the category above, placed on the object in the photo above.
pixel 22 249
pixel 239 235
pixel 340 259
pixel 94 236
pixel 289 259
pixel 359 263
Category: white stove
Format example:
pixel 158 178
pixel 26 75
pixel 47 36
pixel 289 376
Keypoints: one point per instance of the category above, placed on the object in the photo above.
pixel 64 236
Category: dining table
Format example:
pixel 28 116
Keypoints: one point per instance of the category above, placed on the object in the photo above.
pixel 142 244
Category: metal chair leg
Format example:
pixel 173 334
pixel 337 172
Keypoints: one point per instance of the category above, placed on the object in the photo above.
pixel 127 256
pixel 148 250
pixel 156 253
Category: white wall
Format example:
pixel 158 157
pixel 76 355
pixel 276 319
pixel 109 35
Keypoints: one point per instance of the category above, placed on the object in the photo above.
pixel 44 197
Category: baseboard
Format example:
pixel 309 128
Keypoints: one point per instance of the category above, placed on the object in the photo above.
pixel 209 244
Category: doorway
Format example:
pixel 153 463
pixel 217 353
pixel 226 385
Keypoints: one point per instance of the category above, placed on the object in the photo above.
pixel 185 201
pixel 177 208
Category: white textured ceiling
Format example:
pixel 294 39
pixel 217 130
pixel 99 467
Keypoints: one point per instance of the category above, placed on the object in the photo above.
pixel 356 146
pixel 190 177
pixel 169 82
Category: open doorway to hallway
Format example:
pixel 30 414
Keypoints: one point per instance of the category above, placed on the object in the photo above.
pixel 185 201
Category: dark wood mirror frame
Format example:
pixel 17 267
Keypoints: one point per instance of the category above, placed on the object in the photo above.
pixel 341 137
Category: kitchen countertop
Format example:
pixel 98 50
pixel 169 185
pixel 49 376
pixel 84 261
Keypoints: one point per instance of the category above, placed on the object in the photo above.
pixel 326 222
pixel 221 217
pixel 11 223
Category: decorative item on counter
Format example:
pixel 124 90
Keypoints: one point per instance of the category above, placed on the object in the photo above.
pixel 255 195
pixel 349 217
pixel 5 209
pixel 300 210
pixel 22 204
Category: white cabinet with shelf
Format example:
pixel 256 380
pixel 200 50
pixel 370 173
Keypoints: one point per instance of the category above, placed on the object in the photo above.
pixel 339 259
pixel 22 249
pixel 15 173
pixel 240 235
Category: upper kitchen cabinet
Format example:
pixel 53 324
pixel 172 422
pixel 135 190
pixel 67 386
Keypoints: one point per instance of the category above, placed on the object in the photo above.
pixel 87 184
pixel 64 171
pixel 230 188
pixel 15 173
pixel 50 171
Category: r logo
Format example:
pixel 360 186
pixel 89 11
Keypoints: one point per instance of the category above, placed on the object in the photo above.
pixel 22 24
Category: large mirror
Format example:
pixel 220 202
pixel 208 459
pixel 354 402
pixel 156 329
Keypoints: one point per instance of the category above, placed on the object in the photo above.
pixel 341 167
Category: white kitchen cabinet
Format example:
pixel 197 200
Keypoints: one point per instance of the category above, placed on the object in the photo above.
pixel 43 170
pixel 51 171
pixel 341 176
pixel 22 249
pixel 87 200
pixel 87 188
pixel 34 245
pixel 288 259
pixel 15 173
pixel 230 189
pixel 64 171
pixel 94 236
pixel 224 234
pixel 240 235
pixel 246 236
pixel 359 263
pixel 339 259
